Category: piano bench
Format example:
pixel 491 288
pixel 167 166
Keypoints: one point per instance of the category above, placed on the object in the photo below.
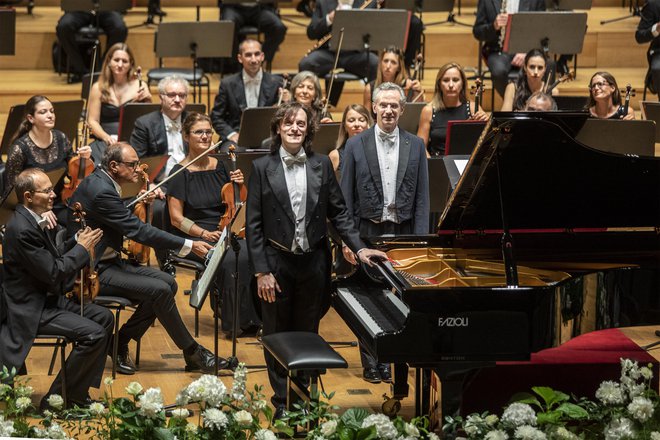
pixel 303 354
pixel 575 367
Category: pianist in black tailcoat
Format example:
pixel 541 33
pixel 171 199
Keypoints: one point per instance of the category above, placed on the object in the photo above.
pixel 287 239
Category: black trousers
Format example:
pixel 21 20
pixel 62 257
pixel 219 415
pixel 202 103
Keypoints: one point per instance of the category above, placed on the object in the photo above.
pixel 154 290
pixel 111 22
pixel 655 70
pixel 262 16
pixel 414 43
pixel 91 334
pixel 305 282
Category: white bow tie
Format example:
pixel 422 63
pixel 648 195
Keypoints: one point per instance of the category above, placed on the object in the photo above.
pixel 387 137
pixel 292 160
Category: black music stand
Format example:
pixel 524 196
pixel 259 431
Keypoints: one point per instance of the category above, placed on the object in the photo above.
pixel 559 32
pixel 7 31
pixel 370 29
pixel 243 162
pixel 129 113
pixel 618 136
pixel 409 119
pixel 651 112
pixel 442 6
pixel 255 126
pixel 155 165
pixel 325 139
pixel 569 5
pixel 634 9
pixel 573 103
pixel 462 136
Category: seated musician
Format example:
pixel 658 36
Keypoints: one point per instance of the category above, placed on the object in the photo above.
pixel 540 102
pixel 37 144
pixel 386 205
pixel 306 89
pixel 251 87
pixel 196 208
pixel 117 85
pixel 648 31
pixel 449 103
pixel 152 289
pixel 605 98
pixel 36 277
pixel 392 68
pixel 290 258
pixel 533 79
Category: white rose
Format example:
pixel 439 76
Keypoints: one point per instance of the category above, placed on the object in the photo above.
pixel 411 430
pixel 23 403
pixel 243 417
pixel 134 388
pixel 328 428
pixel 55 401
pixel 96 408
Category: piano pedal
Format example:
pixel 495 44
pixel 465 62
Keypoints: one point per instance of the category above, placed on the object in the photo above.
pixel 390 406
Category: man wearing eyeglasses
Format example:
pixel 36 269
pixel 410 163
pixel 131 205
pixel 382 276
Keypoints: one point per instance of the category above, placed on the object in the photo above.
pixel 154 290
pixel 37 273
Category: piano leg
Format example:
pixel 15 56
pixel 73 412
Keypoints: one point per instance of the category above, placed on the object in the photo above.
pixel 422 391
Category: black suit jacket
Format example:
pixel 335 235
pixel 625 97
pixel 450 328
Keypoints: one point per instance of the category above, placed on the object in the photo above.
pixel 318 27
pixel 363 189
pixel 650 16
pixel 33 268
pixel 270 216
pixel 149 137
pixel 230 101
pixel 106 210
pixel 487 11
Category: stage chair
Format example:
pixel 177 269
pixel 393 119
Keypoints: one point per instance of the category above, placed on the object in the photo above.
pixel 57 342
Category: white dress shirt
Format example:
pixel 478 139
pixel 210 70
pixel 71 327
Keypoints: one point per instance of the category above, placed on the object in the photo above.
pixel 295 175
pixel 252 86
pixel 512 6
pixel 387 147
pixel 174 142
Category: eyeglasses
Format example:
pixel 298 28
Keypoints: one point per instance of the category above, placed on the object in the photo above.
pixel 43 191
pixel 200 133
pixel 600 85
pixel 134 164
pixel 176 95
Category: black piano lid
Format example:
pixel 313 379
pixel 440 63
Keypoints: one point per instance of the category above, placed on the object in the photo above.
pixel 550 180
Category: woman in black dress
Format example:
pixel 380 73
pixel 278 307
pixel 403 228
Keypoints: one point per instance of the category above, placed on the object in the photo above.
pixel 605 98
pixel 449 103
pixel 195 209
pixel 532 79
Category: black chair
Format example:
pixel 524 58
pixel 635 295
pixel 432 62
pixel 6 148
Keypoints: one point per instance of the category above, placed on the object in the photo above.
pixel 86 36
pixel 340 77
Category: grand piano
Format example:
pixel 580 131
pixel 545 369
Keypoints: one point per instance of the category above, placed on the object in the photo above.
pixel 543 239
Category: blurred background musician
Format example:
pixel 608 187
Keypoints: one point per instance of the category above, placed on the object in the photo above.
pixel 154 10
pixel 306 89
pixel 355 119
pixel 392 68
pixel 250 87
pixel 37 144
pixel 449 103
pixel 605 98
pixel 196 207
pixel 116 86
pixel 540 102
pixel 532 78
pixel 648 30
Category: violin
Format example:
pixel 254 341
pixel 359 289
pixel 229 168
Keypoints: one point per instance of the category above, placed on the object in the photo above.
pixel 419 61
pixel 86 286
pixel 233 195
pixel 478 90
pixel 286 83
pixel 137 252
pixel 623 110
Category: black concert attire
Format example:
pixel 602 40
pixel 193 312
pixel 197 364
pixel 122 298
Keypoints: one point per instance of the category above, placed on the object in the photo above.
pixel 109 120
pixel 438 129
pixel 499 63
pixel 24 153
pixel 36 275
pixel 293 245
pixel 111 22
pixel 200 193
pixel 647 32
pixel 264 16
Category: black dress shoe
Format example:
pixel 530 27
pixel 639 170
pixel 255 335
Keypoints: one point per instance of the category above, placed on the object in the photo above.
pixel 204 360
pixel 125 364
pixel 280 412
pixel 385 373
pixel 159 12
pixel 81 403
pixel 371 375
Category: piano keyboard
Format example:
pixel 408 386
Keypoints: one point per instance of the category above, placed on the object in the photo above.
pixel 378 311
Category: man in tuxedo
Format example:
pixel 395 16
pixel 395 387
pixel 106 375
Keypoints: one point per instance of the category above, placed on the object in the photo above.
pixel 648 30
pixel 36 275
pixel 385 183
pixel 292 193
pixel 154 290
pixel 490 20
pixel 251 87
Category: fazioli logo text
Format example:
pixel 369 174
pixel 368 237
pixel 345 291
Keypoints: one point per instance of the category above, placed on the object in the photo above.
pixel 453 322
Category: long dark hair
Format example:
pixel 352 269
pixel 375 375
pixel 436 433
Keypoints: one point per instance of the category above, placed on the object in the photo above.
pixel 30 108
pixel 616 94
pixel 288 111
pixel 523 91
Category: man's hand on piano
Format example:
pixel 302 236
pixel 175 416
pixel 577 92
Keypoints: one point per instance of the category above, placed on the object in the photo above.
pixel 369 256
pixel 266 287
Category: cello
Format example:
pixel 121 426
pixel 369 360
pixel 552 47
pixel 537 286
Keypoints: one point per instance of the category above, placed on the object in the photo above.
pixel 233 195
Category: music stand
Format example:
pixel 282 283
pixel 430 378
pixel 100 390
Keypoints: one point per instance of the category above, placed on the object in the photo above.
pixel 651 112
pixel 462 136
pixel 618 136
pixel 10 201
pixel 573 103
pixel 325 139
pixel 243 162
pixel 129 113
pixel 442 6
pixel 155 165
pixel 559 32
pixel 7 31
pixel 635 11
pixel 255 126
pixel 444 173
pixel 409 119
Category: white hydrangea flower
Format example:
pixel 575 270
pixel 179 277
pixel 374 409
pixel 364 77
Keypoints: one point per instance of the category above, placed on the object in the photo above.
pixel 6 427
pixel 151 402
pixel 641 409
pixel 4 390
pixel 215 419
pixel 22 403
pixel 56 401
pixel 630 368
pixel 433 436
pixel 496 434
pixel 265 434
pixel 655 435
pixel 646 373
pixel 191 428
pixel 610 393
pixel 619 429
pixel 134 389
pixel 108 381
pixel 238 387
pixel 384 426
pixel 562 433
pixel 518 414
pixel 55 431
pixel 473 424
pixel 491 419
pixel 96 408
pixel 243 417
pixel 411 430
pixel 328 428
pixel 527 432
pixel 208 388
pixel 180 413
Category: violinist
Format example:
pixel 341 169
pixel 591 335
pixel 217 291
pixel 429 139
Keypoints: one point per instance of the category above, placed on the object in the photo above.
pixel 306 89
pixel 605 98
pixel 195 208
pixel 37 144
pixel 532 79
pixel 391 68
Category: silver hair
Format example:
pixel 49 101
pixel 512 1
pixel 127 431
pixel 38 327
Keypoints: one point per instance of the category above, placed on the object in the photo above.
pixel 386 87
pixel 172 79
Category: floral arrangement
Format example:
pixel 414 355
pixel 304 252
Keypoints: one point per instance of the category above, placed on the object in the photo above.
pixel 623 410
